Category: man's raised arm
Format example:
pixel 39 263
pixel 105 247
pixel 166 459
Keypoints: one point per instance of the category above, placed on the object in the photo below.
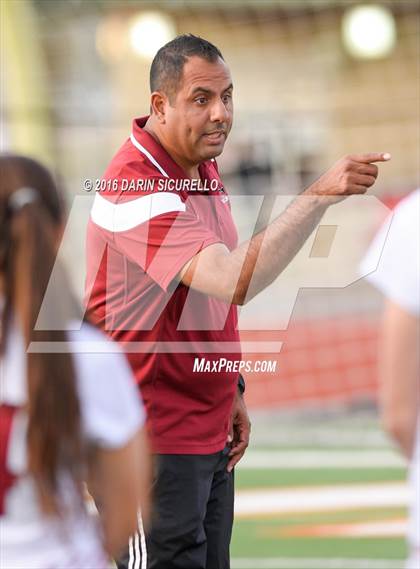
pixel 227 275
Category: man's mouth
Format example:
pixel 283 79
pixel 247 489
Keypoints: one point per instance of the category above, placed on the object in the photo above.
pixel 215 136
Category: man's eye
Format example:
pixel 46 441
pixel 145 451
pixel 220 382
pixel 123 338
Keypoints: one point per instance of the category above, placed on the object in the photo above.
pixel 201 100
pixel 227 98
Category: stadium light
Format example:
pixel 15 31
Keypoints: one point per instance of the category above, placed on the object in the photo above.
pixel 369 31
pixel 149 31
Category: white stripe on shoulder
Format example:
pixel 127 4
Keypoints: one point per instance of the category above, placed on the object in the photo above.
pixel 142 149
pixel 118 217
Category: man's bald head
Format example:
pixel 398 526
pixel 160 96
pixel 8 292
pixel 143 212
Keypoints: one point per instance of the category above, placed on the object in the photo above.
pixel 168 63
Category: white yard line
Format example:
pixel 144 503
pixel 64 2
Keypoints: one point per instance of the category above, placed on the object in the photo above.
pixel 290 434
pixel 318 499
pixel 314 563
pixel 287 459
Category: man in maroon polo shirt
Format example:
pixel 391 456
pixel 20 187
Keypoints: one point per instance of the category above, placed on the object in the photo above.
pixel 165 275
pixel 145 239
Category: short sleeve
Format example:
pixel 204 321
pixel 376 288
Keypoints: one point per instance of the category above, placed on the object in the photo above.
pixel 165 243
pixel 111 405
pixel 397 249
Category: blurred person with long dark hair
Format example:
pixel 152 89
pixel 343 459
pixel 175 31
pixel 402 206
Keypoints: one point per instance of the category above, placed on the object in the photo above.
pixel 65 418
pixel 398 278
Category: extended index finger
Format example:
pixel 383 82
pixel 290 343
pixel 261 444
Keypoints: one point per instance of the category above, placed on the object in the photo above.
pixel 371 157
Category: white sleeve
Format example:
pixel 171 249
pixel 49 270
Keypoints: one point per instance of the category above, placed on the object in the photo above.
pixel 397 273
pixel 111 405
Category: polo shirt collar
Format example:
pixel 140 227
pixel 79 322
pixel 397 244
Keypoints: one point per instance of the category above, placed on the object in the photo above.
pixel 156 150
pixel 159 154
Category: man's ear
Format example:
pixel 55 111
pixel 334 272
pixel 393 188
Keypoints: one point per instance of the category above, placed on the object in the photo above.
pixel 158 104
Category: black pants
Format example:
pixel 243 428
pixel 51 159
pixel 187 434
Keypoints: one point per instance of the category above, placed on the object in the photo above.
pixel 192 515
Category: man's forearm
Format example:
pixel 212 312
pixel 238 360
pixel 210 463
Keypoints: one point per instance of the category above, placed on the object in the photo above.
pixel 238 275
pixel 262 258
pixel 267 254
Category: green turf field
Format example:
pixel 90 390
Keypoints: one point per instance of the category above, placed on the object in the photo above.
pixel 284 540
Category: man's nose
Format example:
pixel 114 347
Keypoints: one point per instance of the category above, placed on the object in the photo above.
pixel 219 112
